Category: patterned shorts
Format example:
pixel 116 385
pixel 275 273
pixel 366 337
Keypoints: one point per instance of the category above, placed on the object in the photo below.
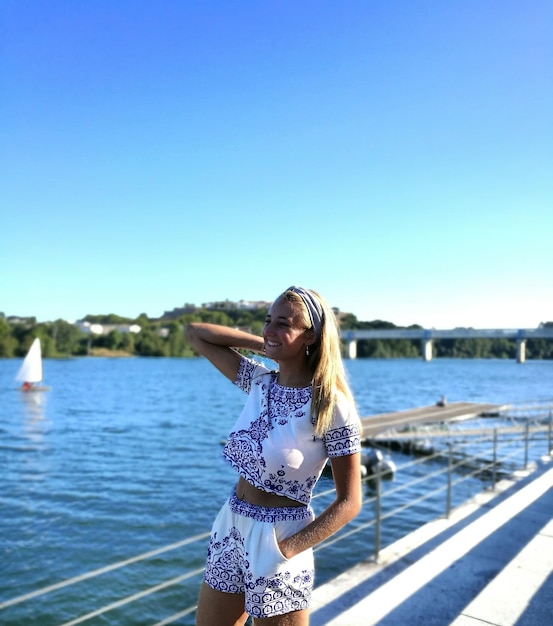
pixel 243 557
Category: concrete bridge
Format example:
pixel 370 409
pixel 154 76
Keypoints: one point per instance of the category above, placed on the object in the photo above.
pixel 426 336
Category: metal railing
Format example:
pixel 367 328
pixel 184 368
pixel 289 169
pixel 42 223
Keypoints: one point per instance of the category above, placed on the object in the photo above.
pixel 496 454
pixel 463 454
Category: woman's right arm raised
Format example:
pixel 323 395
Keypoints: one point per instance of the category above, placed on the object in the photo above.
pixel 217 344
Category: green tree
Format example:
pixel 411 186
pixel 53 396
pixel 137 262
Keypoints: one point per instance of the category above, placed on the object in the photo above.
pixel 257 327
pixel 128 343
pixel 114 340
pixel 176 339
pixel 150 343
pixel 109 318
pixel 8 343
pixel 142 320
pixel 46 340
pixel 348 321
pixel 67 337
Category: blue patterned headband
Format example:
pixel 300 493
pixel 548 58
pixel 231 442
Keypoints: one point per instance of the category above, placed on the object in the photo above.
pixel 313 307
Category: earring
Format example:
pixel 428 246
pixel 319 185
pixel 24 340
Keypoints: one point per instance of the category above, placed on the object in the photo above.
pixel 307 350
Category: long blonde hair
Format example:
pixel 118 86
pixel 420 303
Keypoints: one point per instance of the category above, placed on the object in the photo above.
pixel 325 363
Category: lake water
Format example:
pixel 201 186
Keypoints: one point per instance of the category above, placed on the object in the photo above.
pixel 122 456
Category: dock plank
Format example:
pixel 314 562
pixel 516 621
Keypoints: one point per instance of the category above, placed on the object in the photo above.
pixel 378 424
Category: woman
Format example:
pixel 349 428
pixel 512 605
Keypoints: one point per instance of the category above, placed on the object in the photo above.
pixel 260 557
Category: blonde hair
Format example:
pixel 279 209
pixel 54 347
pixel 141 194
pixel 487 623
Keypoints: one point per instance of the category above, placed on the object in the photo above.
pixel 325 363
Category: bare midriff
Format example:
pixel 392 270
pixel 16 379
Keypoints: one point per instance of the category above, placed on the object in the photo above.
pixel 247 492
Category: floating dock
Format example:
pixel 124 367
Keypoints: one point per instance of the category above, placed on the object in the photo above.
pixel 456 411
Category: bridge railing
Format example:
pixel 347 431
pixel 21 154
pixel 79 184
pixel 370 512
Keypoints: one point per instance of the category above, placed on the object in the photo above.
pixel 486 456
pixel 427 336
pixel 454 333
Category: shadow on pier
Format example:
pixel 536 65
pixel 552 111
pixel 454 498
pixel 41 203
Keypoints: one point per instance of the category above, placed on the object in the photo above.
pixel 489 563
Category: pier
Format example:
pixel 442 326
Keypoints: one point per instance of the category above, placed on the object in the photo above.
pixel 487 561
pixel 456 411
pixel 490 563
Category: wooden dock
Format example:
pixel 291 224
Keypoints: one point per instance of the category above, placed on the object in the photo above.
pixel 456 411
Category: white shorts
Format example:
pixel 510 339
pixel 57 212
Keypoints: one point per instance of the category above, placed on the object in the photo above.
pixel 244 557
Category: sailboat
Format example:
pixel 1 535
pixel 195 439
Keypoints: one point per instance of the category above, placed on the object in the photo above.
pixel 30 373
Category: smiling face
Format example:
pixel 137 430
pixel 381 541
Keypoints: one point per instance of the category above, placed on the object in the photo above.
pixel 285 333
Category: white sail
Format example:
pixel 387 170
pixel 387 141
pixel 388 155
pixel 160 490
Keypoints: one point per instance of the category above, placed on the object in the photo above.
pixel 31 368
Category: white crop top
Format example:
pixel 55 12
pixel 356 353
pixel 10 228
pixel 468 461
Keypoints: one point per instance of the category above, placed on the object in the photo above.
pixel 272 444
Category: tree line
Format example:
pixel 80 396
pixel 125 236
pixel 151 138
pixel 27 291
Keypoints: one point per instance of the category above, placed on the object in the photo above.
pixel 167 338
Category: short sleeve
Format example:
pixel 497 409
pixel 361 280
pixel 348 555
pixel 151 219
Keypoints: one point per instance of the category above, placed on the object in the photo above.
pixel 344 435
pixel 248 369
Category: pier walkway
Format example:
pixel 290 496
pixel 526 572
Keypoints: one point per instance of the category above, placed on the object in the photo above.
pixel 455 411
pixel 490 563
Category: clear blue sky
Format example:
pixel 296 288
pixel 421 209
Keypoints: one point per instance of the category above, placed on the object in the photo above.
pixel 395 156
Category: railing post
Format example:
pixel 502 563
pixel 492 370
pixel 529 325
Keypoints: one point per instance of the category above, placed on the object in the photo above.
pixel 449 473
pixel 494 469
pixel 526 438
pixel 377 515
pixel 549 446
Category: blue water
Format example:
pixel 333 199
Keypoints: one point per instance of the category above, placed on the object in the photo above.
pixel 122 456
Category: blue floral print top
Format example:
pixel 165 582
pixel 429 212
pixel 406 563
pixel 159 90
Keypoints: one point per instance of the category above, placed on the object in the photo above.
pixel 272 444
